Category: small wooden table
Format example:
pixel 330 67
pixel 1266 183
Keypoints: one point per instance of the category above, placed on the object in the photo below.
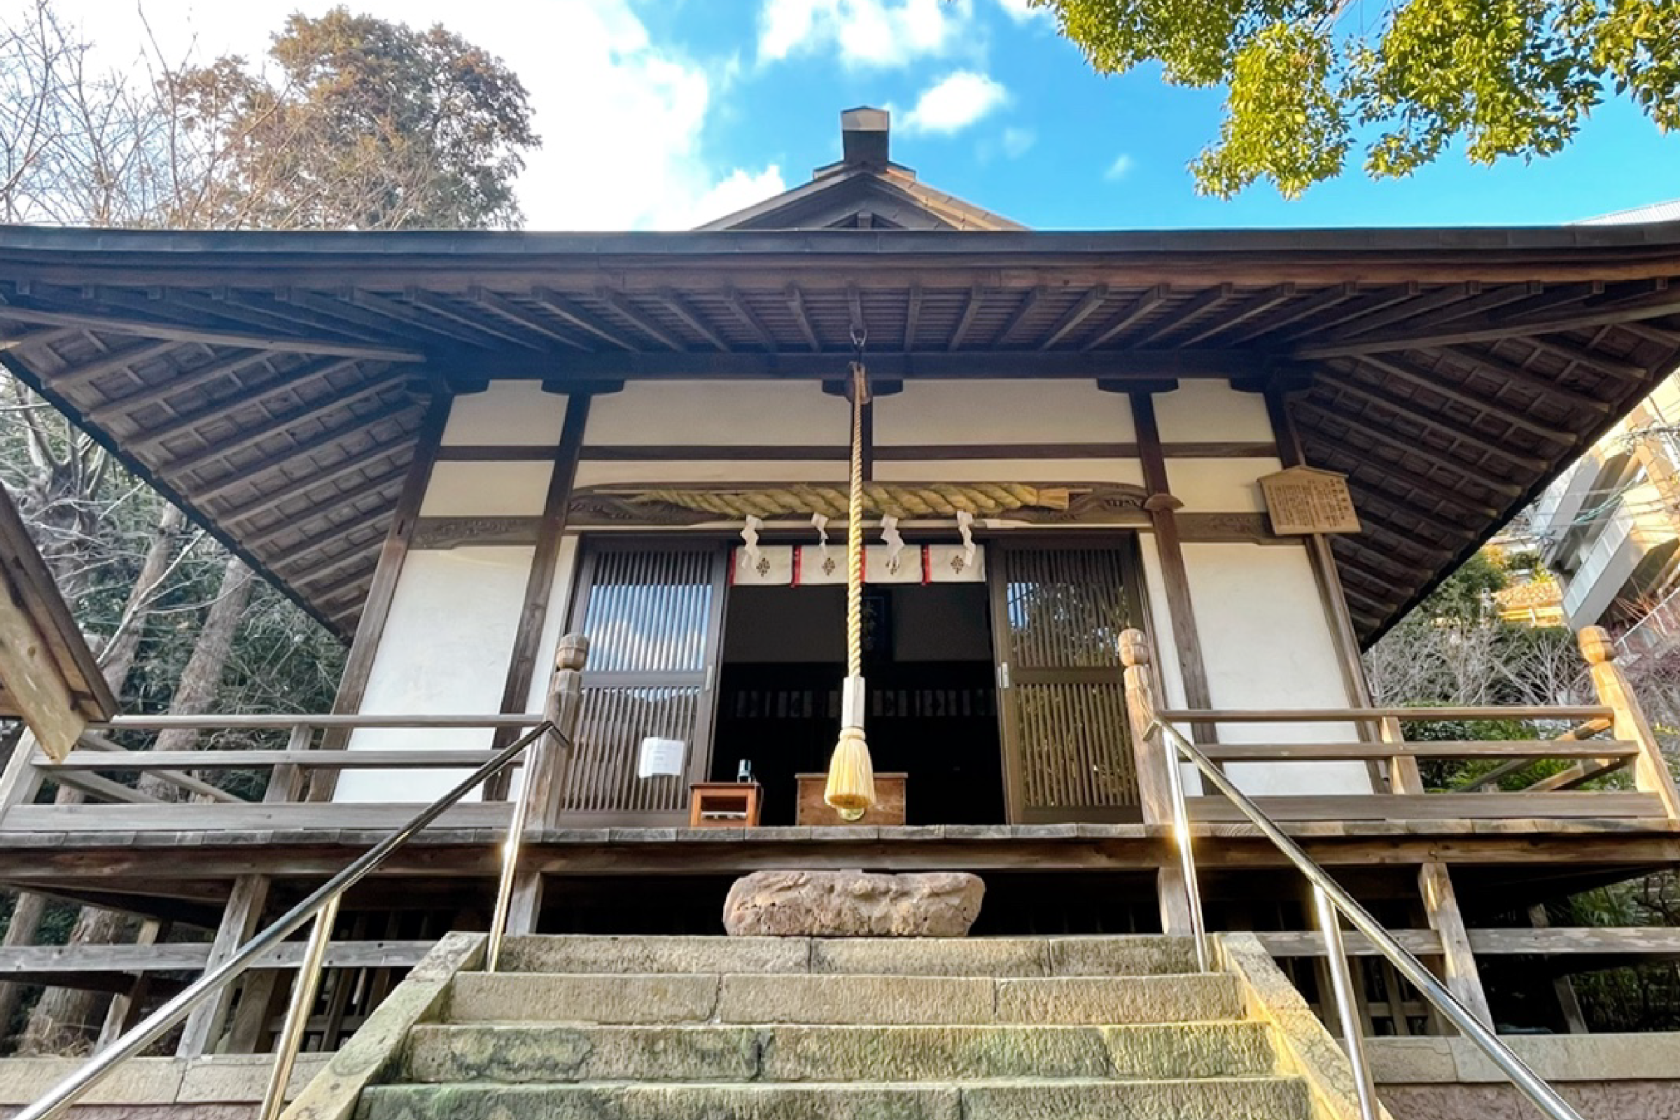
pixel 724 804
pixel 811 809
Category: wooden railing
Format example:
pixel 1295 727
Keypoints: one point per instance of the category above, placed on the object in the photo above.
pixel 300 776
pixel 1640 785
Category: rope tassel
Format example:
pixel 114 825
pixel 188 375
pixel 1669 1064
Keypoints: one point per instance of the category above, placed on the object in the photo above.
pixel 851 773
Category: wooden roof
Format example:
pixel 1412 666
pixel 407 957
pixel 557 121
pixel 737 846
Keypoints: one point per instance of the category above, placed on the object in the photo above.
pixel 48 676
pixel 273 383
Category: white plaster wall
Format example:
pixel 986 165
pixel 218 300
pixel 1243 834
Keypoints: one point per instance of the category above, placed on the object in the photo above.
pixel 504 489
pixel 603 473
pixel 445 651
pixel 1010 470
pixel 719 412
pixel 1219 485
pixel 509 413
pixel 1267 644
pixel 1201 410
pixel 1002 411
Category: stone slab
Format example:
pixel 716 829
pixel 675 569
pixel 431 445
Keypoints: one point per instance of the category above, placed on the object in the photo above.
pixel 662 1102
pixel 509 997
pixel 852 904
pixel 931 956
pixel 656 954
pixel 1117 1000
pixel 886 1000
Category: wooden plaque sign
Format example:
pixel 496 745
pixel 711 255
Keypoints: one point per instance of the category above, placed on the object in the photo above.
pixel 1308 500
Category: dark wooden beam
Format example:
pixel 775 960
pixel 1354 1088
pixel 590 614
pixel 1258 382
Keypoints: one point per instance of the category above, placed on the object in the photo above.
pixel 1406 309
pixel 912 316
pixel 637 318
pixel 246 435
pixel 326 507
pixel 259 392
pixel 1259 305
pixel 1575 356
pixel 1019 315
pixel 76 375
pixel 796 305
pixel 1434 383
pixel 514 313
pixel 253 473
pixel 350 311
pixel 691 319
pixel 1127 315
pixel 1300 309
pixel 1187 315
pixel 1511 373
pixel 1474 473
pixel 315 476
pixel 1347 385
pixel 444 309
pixel 187 381
pixel 578 317
pixel 1075 315
pixel 707 365
pixel 403 318
pixel 744 312
pixel 970 309
pixel 143 328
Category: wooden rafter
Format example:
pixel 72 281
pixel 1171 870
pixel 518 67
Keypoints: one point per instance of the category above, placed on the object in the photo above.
pixel 1575 356
pixel 1196 308
pixel 256 393
pixel 1373 489
pixel 443 308
pixel 514 313
pixel 321 476
pixel 1261 303
pixel 1511 373
pixel 252 473
pixel 187 381
pixel 401 319
pixel 1018 316
pixel 327 507
pixel 142 328
pixel 1347 385
pixel 971 308
pixel 691 319
pixel 1423 379
pixel 1471 473
pixel 570 312
pixel 744 312
pixel 1075 315
pixel 639 319
pixel 912 316
pixel 796 305
pixel 1303 308
pixel 253 434
pixel 81 374
pixel 1127 315
pixel 1401 311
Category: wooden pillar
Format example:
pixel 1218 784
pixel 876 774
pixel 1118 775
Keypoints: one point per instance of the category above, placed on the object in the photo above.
pixel 1628 722
pixel 125 1007
pixel 1151 760
pixel 352 686
pixel 540 583
pixel 1175 578
pixel 550 761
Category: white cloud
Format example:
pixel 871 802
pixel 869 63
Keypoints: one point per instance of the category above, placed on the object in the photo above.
pixel 1017 141
pixel 865 33
pixel 955 102
pixel 620 116
pixel 1120 168
pixel 1021 10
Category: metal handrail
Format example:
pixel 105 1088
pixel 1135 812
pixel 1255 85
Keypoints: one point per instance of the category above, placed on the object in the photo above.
pixel 1331 902
pixel 322 905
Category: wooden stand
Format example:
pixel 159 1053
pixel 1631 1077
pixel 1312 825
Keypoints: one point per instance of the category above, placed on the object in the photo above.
pixel 724 804
pixel 811 809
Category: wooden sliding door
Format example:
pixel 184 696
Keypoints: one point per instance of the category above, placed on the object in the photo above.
pixel 654 617
pixel 1057 616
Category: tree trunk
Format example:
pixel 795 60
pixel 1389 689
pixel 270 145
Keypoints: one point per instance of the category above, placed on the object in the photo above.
pixel 65 1017
pixel 116 661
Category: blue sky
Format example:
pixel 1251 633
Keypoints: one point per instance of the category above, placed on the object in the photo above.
pixel 693 108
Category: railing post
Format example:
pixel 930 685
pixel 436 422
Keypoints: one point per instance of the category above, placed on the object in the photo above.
pixel 519 895
pixel 1440 900
pixel 1154 777
pixel 1650 768
pixel 1347 1008
pixel 304 989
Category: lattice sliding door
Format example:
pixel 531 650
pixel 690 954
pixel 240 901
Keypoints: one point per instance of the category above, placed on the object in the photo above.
pixel 1058 614
pixel 654 618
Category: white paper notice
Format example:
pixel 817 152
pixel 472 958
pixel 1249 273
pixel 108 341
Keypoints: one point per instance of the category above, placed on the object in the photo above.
pixel 660 758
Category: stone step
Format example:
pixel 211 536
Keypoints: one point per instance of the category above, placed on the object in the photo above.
pixel 840 999
pixel 920 956
pixel 1257 1098
pixel 561 1053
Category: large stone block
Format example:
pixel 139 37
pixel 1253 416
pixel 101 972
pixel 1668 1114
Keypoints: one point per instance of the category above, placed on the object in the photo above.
pixel 852 904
